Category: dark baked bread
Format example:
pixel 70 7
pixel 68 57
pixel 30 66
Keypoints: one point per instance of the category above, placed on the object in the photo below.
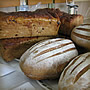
pixel 28 24
pixel 47 59
pixel 14 48
pixel 76 76
pixel 68 21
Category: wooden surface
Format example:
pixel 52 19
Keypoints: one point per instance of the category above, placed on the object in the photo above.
pixel 9 3
pixel 80 0
pixel 13 3
pixel 33 2
pixel 61 1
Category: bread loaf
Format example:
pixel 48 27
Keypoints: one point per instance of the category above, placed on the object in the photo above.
pixel 81 36
pixel 68 21
pixel 76 76
pixel 47 59
pixel 14 47
pixel 28 24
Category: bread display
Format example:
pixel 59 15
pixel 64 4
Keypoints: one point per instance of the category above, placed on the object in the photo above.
pixel 81 36
pixel 15 47
pixel 47 59
pixel 76 76
pixel 28 24
pixel 48 44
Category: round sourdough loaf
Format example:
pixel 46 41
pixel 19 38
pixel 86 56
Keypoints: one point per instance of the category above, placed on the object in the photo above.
pixel 76 76
pixel 47 59
pixel 81 36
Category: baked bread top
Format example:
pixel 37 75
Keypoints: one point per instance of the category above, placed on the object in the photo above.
pixel 40 13
pixel 81 36
pixel 47 59
pixel 76 76
pixel 29 24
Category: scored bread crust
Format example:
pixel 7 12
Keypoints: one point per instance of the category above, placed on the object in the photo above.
pixel 76 76
pixel 81 36
pixel 47 59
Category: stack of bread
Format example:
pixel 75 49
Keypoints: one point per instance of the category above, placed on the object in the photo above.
pixel 20 30
pixel 48 59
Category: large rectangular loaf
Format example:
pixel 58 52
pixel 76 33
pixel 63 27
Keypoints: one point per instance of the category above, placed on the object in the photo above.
pixel 28 24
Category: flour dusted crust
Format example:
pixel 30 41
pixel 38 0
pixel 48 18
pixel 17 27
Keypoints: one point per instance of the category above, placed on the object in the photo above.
pixel 81 36
pixel 76 76
pixel 47 59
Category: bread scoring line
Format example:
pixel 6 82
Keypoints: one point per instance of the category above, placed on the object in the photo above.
pixel 53 48
pixel 57 54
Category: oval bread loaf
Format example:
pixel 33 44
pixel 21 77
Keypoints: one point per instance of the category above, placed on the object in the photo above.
pixel 47 59
pixel 76 76
pixel 81 36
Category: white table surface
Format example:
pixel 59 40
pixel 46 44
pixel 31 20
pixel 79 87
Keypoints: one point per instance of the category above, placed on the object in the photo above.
pixel 12 78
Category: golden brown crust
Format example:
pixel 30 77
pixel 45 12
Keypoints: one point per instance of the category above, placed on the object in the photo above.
pixel 28 24
pixel 68 21
pixel 39 13
pixel 21 23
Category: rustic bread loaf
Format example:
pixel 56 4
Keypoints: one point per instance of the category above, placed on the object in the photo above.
pixel 76 76
pixel 47 59
pixel 81 36
pixel 28 24
pixel 15 47
pixel 68 21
